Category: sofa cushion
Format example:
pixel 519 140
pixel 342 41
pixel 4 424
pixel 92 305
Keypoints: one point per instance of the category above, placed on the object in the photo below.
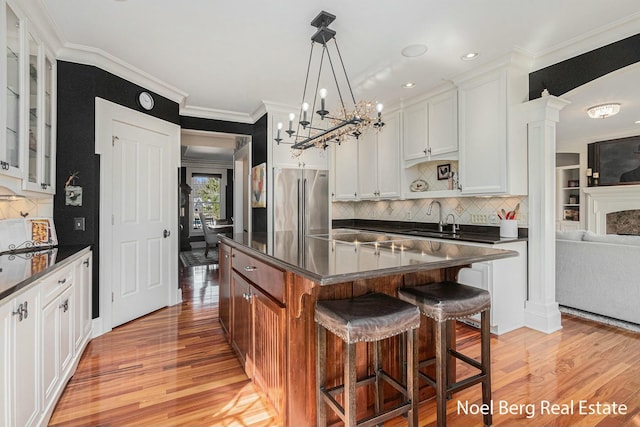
pixel 570 235
pixel 611 238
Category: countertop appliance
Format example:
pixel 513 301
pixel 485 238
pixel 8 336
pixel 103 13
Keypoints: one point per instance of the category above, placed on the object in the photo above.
pixel 301 201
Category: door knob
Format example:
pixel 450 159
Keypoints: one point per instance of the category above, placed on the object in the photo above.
pixel 166 233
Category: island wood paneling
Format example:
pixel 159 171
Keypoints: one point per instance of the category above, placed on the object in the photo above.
pixel 175 367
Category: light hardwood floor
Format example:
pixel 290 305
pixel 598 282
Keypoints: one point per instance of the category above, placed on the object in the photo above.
pixel 175 367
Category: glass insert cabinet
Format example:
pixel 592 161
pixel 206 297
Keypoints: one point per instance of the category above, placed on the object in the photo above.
pixel 27 151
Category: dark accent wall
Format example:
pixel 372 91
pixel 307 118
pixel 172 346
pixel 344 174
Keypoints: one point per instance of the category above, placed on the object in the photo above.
pixel 567 75
pixel 259 156
pixel 211 125
pixel 78 86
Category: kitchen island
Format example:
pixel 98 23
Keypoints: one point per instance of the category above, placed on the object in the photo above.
pixel 269 285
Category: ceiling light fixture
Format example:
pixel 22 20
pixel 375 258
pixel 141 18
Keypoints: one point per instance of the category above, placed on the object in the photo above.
pixel 638 122
pixel 604 110
pixel 409 85
pixel 350 120
pixel 414 50
pixel 469 56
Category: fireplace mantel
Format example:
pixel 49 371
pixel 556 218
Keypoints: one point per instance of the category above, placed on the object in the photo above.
pixel 604 200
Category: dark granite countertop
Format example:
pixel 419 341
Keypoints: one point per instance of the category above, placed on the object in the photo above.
pixel 468 233
pixel 20 269
pixel 329 259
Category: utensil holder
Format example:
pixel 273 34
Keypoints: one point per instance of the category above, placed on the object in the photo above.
pixel 509 228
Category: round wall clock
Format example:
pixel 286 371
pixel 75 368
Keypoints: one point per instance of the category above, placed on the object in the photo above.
pixel 145 100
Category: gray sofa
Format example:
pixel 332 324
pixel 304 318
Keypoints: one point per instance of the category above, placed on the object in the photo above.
pixel 599 274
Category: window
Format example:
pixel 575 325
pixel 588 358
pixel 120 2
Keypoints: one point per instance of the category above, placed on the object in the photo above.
pixel 205 198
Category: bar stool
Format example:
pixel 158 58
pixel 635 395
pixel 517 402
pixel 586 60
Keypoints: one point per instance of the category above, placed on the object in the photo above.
pixel 444 302
pixel 367 318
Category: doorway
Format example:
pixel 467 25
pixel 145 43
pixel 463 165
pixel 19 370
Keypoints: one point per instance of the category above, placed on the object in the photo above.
pixel 207 169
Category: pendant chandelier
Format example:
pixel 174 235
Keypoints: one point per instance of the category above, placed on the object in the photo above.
pixel 350 120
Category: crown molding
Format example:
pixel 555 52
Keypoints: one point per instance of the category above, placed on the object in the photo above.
pixel 594 39
pixel 214 114
pixel 97 57
pixel 45 28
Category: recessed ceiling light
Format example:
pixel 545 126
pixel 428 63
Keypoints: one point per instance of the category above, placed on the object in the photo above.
pixel 409 85
pixel 469 56
pixel 414 50
pixel 603 110
pixel 638 122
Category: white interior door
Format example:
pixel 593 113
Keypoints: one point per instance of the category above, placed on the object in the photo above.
pixel 140 227
pixel 139 213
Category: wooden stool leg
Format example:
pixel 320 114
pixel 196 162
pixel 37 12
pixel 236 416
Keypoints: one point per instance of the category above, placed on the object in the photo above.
pixel 412 375
pixel 485 338
pixel 451 360
pixel 379 387
pixel 321 369
pixel 350 385
pixel 442 357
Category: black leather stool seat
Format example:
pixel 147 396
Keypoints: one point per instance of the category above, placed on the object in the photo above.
pixel 447 300
pixel 370 317
pixel 367 318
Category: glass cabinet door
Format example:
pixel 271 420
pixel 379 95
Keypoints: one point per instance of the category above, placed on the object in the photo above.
pixel 34 111
pixel 10 156
pixel 49 150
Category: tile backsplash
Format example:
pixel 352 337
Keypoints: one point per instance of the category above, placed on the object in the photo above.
pixel 35 208
pixel 467 210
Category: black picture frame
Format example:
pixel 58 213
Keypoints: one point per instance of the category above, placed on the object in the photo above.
pixel 444 171
pixel 616 161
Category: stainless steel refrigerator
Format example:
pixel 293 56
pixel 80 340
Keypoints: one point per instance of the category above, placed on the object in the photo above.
pixel 301 201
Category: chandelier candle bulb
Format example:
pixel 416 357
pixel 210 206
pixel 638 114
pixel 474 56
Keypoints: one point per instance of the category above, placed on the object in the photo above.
pixel 290 130
pixel 278 139
pixel 323 96
pixel 305 108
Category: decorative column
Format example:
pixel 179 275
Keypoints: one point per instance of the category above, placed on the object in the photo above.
pixel 541 308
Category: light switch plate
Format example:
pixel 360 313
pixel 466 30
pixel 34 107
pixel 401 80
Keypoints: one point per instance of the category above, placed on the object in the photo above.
pixel 78 224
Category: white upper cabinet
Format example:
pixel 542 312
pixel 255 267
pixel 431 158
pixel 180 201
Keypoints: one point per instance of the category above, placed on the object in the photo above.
pixel 379 161
pixel 443 123
pixel 389 157
pixel 430 128
pixel 345 170
pixel 28 92
pixel 11 86
pixel 492 133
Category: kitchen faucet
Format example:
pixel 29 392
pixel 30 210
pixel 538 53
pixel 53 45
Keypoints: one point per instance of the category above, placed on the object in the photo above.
pixel 440 224
pixel 454 227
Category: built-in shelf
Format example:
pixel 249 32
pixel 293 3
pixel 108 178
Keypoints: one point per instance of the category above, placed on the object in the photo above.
pixel 568 196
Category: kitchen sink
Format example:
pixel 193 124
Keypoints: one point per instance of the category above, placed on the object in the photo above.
pixel 435 233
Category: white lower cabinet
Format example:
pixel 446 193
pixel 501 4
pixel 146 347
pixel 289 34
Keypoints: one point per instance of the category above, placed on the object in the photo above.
pixel 506 281
pixel 19 334
pixel 39 348
pixel 57 341
pixel 82 298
